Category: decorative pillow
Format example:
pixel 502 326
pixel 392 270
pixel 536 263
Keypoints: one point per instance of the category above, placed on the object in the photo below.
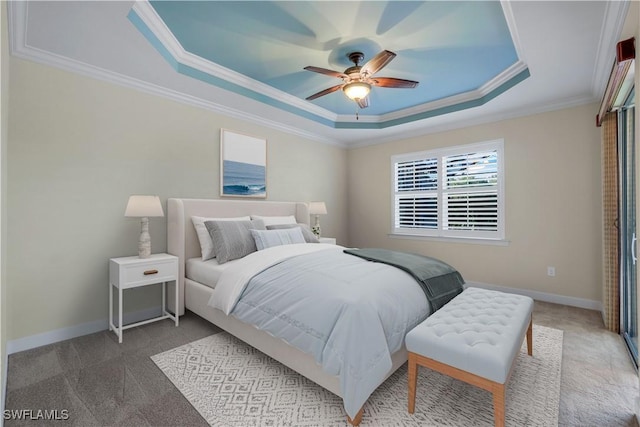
pixel 273 220
pixel 206 245
pixel 309 237
pixel 268 238
pixel 231 239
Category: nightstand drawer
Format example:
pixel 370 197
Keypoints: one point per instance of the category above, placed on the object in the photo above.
pixel 151 272
pixel 130 272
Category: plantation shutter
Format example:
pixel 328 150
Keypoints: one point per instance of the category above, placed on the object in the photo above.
pixel 451 192
pixel 416 196
pixel 470 194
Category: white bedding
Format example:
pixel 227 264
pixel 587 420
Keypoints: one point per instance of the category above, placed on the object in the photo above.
pixel 206 272
pixel 232 283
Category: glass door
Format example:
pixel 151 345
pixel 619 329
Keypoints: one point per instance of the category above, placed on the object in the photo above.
pixel 628 238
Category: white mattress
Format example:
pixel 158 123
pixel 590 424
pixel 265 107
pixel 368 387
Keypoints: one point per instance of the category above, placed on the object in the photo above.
pixel 205 272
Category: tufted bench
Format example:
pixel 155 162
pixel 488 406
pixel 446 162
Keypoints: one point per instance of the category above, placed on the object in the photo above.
pixel 474 338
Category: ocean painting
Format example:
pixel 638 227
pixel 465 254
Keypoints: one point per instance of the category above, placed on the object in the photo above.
pixel 243 165
pixel 243 179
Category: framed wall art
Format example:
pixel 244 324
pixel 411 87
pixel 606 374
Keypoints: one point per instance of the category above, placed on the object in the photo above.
pixel 243 165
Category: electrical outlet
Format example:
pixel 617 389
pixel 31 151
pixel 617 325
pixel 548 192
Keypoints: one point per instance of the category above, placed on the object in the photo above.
pixel 551 271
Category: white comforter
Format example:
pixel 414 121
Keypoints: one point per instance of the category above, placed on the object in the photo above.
pixel 349 313
pixel 235 278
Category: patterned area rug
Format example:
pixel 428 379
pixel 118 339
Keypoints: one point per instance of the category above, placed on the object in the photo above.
pixel 233 384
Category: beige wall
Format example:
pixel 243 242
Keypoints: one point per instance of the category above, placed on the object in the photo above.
pixel 553 203
pixel 4 120
pixel 79 147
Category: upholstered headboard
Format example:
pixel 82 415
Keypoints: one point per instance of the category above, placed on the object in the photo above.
pixel 182 240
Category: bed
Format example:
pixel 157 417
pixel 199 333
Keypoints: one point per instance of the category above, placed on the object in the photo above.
pixel 194 295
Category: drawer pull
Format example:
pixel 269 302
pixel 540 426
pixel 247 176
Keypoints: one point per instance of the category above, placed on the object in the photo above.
pixel 149 272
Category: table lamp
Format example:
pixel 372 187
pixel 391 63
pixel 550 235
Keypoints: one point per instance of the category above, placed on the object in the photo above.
pixel 144 207
pixel 317 209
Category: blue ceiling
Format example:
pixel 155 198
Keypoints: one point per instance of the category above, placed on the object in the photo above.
pixel 451 48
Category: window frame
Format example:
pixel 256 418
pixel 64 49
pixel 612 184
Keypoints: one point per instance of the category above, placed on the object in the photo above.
pixel 440 154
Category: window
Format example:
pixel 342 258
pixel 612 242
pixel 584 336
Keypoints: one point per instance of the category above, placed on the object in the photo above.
pixel 451 192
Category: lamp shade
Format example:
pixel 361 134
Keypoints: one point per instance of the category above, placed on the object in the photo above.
pixel 317 208
pixel 143 206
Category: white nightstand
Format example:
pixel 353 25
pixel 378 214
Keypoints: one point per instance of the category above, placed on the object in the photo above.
pixel 330 240
pixel 133 272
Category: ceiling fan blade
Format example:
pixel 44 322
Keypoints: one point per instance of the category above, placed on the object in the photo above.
pixel 391 82
pixel 324 92
pixel 376 63
pixel 363 102
pixel 325 71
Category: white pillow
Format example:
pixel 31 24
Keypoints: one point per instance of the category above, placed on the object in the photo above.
pixel 206 244
pixel 268 238
pixel 275 220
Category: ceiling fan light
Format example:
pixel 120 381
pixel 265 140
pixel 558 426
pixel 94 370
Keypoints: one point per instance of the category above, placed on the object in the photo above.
pixel 356 90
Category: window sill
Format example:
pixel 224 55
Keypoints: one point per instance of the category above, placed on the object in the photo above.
pixel 465 240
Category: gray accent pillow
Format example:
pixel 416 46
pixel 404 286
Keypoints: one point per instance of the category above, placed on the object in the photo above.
pixel 232 239
pixel 309 237
pixel 206 246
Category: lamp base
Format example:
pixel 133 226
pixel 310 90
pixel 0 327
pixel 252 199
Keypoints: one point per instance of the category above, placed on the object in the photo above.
pixel 316 227
pixel 144 244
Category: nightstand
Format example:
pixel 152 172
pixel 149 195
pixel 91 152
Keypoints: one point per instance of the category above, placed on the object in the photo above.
pixel 134 272
pixel 330 240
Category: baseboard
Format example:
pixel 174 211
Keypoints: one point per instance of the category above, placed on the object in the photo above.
pixel 5 372
pixel 45 338
pixel 543 296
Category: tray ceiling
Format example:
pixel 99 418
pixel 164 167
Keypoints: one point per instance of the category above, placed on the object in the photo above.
pixel 461 52
pixel 476 61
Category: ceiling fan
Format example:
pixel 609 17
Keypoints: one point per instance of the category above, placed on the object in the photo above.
pixel 357 80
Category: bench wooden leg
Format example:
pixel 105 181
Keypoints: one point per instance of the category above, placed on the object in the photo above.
pixel 530 338
pixel 358 418
pixel 413 380
pixel 498 404
pixel 496 389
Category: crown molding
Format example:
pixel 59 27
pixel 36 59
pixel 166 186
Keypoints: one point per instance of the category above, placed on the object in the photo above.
pixel 485 119
pixel 457 100
pixel 513 29
pixel 18 12
pixel 155 24
pixel 614 17
pixel 17 23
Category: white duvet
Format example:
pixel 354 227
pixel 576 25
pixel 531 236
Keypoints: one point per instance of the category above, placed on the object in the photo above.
pixel 348 313
pixel 235 278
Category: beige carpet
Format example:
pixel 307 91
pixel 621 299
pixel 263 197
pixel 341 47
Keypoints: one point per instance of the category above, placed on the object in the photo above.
pixel 232 384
